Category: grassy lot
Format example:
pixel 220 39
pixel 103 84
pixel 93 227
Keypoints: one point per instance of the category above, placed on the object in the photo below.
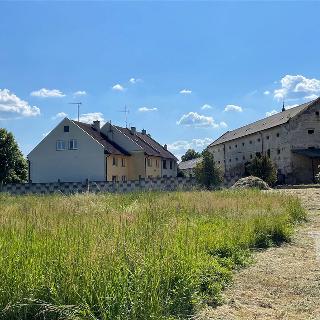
pixel 133 256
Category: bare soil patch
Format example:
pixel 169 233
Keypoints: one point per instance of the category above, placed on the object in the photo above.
pixel 284 282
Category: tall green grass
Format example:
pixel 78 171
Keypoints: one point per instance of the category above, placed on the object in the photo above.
pixel 132 256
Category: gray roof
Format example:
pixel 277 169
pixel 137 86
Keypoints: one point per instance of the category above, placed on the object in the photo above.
pixel 190 164
pixel 150 146
pixel 109 146
pixel 260 125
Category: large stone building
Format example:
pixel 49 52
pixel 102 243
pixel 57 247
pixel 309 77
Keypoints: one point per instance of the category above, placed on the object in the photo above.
pixel 291 138
pixel 76 151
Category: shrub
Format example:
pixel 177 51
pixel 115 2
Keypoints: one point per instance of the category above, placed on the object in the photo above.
pixel 262 167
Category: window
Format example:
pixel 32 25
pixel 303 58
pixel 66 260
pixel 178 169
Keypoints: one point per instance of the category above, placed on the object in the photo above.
pixel 236 146
pixel 250 156
pixel 219 161
pixel 258 154
pixel 170 164
pixel 243 158
pixel 250 141
pixel 230 147
pixel 149 161
pixel 268 153
pixel 278 151
pixel 243 144
pixel 73 144
pixel 114 178
pixel 236 159
pixel 123 162
pixel 268 137
pixel 229 160
pixel 60 145
pixel 114 161
pixel 278 135
pixel 259 139
pixel 66 128
pixel 317 113
pixel 164 164
pixel 310 131
pixel 124 178
pixel 157 163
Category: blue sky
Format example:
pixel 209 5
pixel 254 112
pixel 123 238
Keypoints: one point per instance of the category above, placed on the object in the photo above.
pixel 187 71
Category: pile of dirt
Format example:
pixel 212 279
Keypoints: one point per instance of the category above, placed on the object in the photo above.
pixel 251 182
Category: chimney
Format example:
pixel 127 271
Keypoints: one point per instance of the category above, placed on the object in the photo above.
pixel 96 125
pixel 133 130
pixel 144 131
pixel 165 146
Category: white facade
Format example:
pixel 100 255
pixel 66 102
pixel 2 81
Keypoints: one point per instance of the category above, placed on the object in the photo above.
pixel 47 164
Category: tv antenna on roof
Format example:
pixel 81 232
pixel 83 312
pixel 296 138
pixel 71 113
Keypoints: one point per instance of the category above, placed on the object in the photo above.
pixel 78 103
pixel 125 111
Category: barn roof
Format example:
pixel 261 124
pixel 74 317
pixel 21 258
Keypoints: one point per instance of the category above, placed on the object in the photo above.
pixel 263 124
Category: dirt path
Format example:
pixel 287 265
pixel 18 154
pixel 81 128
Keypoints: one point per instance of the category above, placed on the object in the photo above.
pixel 284 283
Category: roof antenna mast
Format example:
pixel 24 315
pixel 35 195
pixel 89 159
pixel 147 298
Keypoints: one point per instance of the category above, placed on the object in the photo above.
pixel 283 107
pixel 125 111
pixel 77 103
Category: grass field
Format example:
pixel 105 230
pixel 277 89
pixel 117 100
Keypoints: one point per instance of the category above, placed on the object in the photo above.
pixel 133 256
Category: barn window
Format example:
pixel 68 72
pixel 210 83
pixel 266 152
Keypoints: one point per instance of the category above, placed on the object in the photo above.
pixel 236 146
pixel 278 151
pixel 164 164
pixel 250 141
pixel 317 113
pixel 114 161
pixel 243 158
pixel 66 128
pixel 268 137
pixel 123 162
pixel 236 159
pixel 229 160
pixel 268 153
pixel 243 144
pixel 250 156
pixel 259 139
pixel 171 163
pixel 229 147
pixel 149 162
pixel 114 179
pixel 278 135
pixel 310 131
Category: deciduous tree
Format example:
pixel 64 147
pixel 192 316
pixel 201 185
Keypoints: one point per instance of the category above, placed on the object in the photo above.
pixel 13 166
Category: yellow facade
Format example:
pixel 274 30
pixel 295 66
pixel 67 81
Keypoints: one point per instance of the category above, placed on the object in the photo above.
pixel 153 167
pixel 117 167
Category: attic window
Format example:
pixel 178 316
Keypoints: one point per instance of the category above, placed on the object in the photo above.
pixel 66 128
pixel 310 131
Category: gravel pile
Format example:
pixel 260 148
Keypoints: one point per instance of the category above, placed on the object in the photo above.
pixel 251 182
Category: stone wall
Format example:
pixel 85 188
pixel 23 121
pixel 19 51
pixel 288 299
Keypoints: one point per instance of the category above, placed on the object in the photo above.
pixel 157 184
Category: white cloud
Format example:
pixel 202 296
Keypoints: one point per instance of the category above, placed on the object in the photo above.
pixel 59 115
pixel 223 124
pixel 80 93
pixel 311 97
pixel 206 107
pixel 185 91
pixel 232 107
pixel 295 86
pixel 134 80
pixel 12 104
pixel 266 93
pixel 118 87
pixel 48 93
pixel 271 113
pixel 291 106
pixel 181 145
pixel 146 109
pixel 193 119
pixel 90 117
